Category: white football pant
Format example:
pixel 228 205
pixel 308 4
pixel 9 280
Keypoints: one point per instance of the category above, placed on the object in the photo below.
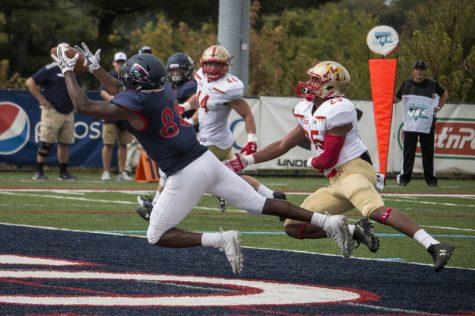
pixel 185 188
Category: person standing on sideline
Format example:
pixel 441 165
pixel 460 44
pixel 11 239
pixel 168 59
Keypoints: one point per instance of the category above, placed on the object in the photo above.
pixel 114 132
pixel 420 108
pixel 57 118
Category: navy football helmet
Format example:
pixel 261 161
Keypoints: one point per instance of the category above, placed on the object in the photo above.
pixel 143 72
pixel 179 68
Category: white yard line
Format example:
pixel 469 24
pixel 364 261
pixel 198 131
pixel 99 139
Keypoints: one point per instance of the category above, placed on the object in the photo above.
pixel 259 248
pixel 432 203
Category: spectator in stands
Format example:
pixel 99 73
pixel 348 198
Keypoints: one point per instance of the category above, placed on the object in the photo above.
pixel 145 50
pixel 57 118
pixel 420 108
pixel 114 132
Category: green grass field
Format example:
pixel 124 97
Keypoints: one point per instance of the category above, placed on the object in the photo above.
pixel 448 212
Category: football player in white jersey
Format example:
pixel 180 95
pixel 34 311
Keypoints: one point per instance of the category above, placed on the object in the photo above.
pixel 329 121
pixel 218 93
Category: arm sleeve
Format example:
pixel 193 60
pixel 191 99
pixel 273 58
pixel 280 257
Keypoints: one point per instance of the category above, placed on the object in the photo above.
pixel 41 76
pixel 438 89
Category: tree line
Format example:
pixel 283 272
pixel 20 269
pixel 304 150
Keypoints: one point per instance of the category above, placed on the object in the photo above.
pixel 287 37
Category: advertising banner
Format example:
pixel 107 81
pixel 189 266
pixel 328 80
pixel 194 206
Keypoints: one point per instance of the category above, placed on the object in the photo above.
pixel 20 116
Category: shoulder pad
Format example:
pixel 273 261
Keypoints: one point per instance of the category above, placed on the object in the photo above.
pixel 227 84
pixel 129 99
pixel 301 108
pixel 199 75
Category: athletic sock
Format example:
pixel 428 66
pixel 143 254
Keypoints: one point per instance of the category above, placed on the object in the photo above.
pixel 155 198
pixel 265 191
pixel 422 237
pixel 352 229
pixel 318 219
pixel 62 167
pixel 39 166
pixel 210 239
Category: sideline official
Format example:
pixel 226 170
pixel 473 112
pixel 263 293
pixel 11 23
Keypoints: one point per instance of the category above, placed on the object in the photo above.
pixel 420 108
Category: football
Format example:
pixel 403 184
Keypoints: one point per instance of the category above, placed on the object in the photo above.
pixel 81 65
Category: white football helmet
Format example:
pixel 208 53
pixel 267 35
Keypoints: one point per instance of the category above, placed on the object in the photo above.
pixel 215 54
pixel 327 79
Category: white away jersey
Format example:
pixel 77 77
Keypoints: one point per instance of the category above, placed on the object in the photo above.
pixel 213 112
pixel 332 113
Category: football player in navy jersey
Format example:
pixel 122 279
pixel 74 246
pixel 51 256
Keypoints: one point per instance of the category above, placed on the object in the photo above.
pixel 148 108
pixel 180 78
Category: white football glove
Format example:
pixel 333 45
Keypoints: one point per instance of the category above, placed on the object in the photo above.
pixel 64 62
pixel 93 60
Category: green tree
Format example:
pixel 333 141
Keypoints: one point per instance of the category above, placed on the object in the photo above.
pixel 290 43
pixel 441 32
pixel 166 39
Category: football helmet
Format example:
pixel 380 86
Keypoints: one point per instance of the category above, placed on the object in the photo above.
pixel 327 79
pixel 179 68
pixel 143 72
pixel 215 54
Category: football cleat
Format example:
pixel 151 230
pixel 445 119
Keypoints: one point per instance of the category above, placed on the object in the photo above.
pixel 222 204
pixel 145 201
pixel 230 243
pixel 441 254
pixel 67 176
pixel 39 176
pixel 280 196
pixel 336 227
pixel 106 176
pixel 144 213
pixel 364 234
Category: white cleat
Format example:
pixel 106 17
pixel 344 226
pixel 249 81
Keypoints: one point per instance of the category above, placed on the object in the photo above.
pixel 336 227
pixel 106 176
pixel 123 176
pixel 230 243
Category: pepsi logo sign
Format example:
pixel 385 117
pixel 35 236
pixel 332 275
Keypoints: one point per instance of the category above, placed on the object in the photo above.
pixel 14 128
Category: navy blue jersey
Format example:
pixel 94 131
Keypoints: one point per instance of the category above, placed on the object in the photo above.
pixel 165 137
pixel 185 91
pixel 51 79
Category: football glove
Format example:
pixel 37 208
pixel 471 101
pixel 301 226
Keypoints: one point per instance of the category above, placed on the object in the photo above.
pixel 236 164
pixel 64 62
pixel 93 60
pixel 251 146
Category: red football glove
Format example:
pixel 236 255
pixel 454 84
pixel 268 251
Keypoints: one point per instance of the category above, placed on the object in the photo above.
pixel 250 148
pixel 236 164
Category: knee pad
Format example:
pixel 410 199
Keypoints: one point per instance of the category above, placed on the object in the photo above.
pixel 44 149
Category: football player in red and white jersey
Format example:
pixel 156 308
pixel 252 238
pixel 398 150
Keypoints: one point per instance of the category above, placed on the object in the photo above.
pixel 218 93
pixel 330 122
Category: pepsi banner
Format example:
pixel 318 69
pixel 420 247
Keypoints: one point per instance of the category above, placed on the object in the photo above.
pixel 20 116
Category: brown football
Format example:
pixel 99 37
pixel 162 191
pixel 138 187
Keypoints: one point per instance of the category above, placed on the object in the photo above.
pixel 81 65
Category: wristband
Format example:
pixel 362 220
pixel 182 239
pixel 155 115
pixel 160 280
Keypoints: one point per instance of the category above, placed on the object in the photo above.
pixel 186 106
pixel 190 121
pixel 251 137
pixel 249 159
